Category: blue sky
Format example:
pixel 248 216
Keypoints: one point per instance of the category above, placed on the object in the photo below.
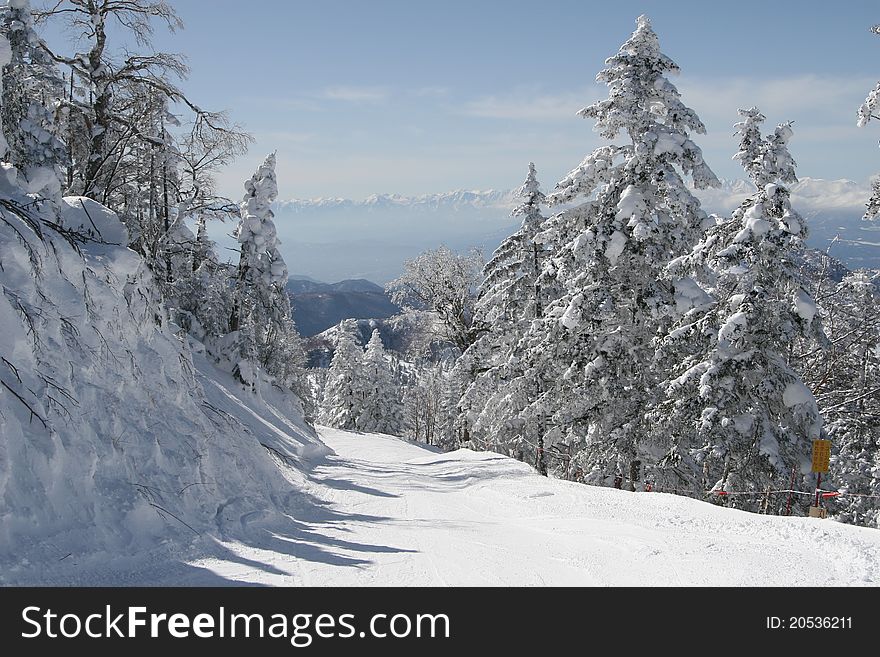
pixel 414 97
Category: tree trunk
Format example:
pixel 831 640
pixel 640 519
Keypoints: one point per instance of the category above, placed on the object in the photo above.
pixel 169 275
pixel 635 467
pixel 540 461
pixel 70 137
pixel 539 310
pixel 102 104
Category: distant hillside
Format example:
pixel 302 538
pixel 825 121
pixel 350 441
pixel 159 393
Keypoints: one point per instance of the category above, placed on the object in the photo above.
pixel 318 306
pixel 306 285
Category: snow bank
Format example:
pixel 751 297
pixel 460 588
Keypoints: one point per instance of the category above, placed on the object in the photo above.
pixel 114 438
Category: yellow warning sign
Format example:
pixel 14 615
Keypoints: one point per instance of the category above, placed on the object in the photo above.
pixel 821 455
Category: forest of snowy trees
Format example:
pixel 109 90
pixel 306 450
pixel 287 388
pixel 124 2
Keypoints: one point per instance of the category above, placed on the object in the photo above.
pixel 631 339
pixel 622 336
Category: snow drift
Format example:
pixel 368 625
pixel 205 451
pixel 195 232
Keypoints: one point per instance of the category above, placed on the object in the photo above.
pixel 116 435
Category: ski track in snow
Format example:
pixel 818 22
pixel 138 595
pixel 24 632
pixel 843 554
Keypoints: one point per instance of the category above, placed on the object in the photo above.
pixel 382 511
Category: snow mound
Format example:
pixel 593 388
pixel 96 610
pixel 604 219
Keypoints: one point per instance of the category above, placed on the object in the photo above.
pixel 114 437
pixel 100 224
pixel 796 393
pixel 689 295
pixel 615 247
pixel 804 306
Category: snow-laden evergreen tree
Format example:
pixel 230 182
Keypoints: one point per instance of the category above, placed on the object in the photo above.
pixel 452 427
pixel 381 407
pixel 510 293
pixel 765 159
pixel 201 303
pixel 343 399
pixel 738 415
pixel 31 87
pixel 845 378
pixel 592 352
pixel 261 307
pixel 261 269
pixel 509 300
pixel 414 401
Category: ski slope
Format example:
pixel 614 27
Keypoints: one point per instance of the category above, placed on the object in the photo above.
pixel 382 511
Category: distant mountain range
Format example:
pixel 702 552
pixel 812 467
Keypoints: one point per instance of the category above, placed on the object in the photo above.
pixel 460 199
pixel 336 238
pixel 333 239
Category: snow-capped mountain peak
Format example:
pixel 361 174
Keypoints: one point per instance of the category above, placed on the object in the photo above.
pixel 455 199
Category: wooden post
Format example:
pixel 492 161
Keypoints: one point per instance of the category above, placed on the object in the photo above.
pixel 790 489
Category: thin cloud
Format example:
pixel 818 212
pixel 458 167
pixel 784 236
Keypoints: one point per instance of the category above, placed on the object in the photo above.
pixel 296 104
pixel 780 99
pixel 431 92
pixel 528 105
pixel 316 101
pixel 348 94
pixel 715 100
pixel 285 136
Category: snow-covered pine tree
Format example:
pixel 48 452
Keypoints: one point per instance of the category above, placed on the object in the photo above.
pixel 738 415
pixel 591 354
pixel 510 293
pixel 343 398
pixel 866 112
pixel 201 300
pixel 509 299
pixel 413 418
pixel 765 159
pixel 260 300
pixel 31 87
pixel 845 378
pixel 381 410
pixel 260 267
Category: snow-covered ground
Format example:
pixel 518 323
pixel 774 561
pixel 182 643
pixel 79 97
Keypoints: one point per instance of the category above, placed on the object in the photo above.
pixel 383 511
pixel 387 512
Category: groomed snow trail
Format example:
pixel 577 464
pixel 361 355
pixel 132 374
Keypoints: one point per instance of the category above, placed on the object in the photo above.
pixel 382 511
